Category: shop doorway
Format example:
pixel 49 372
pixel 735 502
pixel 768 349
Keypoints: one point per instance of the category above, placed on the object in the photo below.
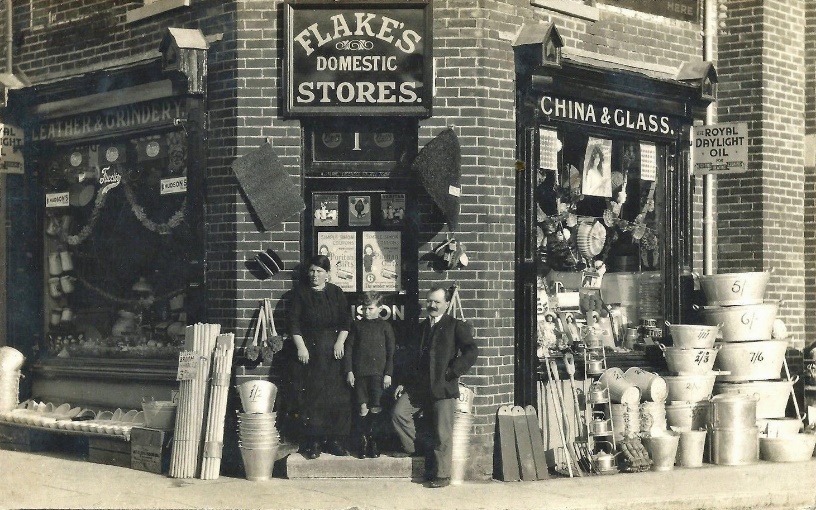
pixel 361 211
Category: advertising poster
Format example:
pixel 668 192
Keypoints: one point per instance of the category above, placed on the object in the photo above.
pixel 324 210
pixel 381 261
pixel 648 161
pixel 393 208
pixel 548 152
pixel 359 210
pixel 341 248
pixel 597 175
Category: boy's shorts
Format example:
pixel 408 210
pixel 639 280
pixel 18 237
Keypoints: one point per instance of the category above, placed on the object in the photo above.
pixel 369 390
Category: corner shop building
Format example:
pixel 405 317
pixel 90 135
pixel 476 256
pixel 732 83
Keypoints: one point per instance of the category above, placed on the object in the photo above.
pixel 226 77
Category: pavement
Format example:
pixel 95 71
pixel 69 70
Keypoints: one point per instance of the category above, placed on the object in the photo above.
pixel 34 480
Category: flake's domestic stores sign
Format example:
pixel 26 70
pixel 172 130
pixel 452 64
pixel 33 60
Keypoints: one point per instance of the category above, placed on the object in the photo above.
pixel 358 58
pixel 597 114
pixel 720 148
pixel 11 149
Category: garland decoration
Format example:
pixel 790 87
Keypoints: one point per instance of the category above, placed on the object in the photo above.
pixel 139 302
pixel 161 228
pixel 83 234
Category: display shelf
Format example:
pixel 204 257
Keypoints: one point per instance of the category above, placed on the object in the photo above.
pixel 124 369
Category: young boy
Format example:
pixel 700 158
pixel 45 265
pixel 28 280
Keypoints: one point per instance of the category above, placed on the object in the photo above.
pixel 369 360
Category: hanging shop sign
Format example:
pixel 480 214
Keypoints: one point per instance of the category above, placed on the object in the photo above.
pixel 11 149
pixel 686 10
pixel 358 59
pixel 720 148
pixel 604 115
pixel 133 116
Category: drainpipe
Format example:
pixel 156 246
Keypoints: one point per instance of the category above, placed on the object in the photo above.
pixel 709 181
pixel 9 38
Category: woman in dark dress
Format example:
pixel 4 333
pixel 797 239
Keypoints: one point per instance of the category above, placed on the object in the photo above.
pixel 320 322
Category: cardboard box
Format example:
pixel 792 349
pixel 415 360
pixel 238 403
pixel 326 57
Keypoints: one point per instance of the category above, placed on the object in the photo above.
pixel 113 452
pixel 150 449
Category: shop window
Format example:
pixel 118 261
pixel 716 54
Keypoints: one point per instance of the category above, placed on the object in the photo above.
pixel 601 221
pixel 116 247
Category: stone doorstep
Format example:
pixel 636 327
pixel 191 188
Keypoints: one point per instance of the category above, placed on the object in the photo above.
pixel 330 466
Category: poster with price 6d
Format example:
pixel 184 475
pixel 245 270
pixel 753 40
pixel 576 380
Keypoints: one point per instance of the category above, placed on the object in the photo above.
pixel 381 261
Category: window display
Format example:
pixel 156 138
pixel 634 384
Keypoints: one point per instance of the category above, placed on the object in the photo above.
pixel 600 205
pixel 117 249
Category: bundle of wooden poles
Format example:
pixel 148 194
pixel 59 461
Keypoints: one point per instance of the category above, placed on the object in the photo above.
pixel 219 390
pixel 199 343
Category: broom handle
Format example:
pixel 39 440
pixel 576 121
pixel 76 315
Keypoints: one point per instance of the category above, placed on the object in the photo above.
pixel 257 328
pixel 271 317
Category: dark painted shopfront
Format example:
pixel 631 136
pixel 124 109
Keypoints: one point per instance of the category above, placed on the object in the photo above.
pixel 603 202
pixel 119 230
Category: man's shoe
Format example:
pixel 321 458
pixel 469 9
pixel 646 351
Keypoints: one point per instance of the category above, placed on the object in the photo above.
pixel 373 451
pixel 333 448
pixel 438 483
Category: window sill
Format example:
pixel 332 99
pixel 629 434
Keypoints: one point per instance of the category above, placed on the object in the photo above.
pixel 570 8
pixel 154 8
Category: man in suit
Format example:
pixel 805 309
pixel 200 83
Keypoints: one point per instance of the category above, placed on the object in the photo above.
pixel 447 350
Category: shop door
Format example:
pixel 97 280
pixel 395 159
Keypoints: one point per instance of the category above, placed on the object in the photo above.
pixel 360 210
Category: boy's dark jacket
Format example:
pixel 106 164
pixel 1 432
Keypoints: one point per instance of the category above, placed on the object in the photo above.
pixel 370 348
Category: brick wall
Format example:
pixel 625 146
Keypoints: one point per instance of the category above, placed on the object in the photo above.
pixel 760 219
pixel 810 171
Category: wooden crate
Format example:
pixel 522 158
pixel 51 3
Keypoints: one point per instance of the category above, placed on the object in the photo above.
pixel 113 452
pixel 24 439
pixel 17 439
pixel 150 449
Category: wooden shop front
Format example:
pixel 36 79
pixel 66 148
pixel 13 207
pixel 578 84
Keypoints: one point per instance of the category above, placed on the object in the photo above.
pixel 604 200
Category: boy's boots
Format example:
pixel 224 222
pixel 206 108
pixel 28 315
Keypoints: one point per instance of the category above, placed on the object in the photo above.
pixel 372 450
pixel 362 440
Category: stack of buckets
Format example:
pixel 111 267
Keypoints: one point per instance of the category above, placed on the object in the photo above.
pixel 690 361
pixel 11 361
pixel 749 358
pixel 659 442
pixel 460 437
pixel 258 438
pixel 624 410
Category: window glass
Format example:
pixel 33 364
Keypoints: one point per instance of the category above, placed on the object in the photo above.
pixel 600 203
pixel 116 254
